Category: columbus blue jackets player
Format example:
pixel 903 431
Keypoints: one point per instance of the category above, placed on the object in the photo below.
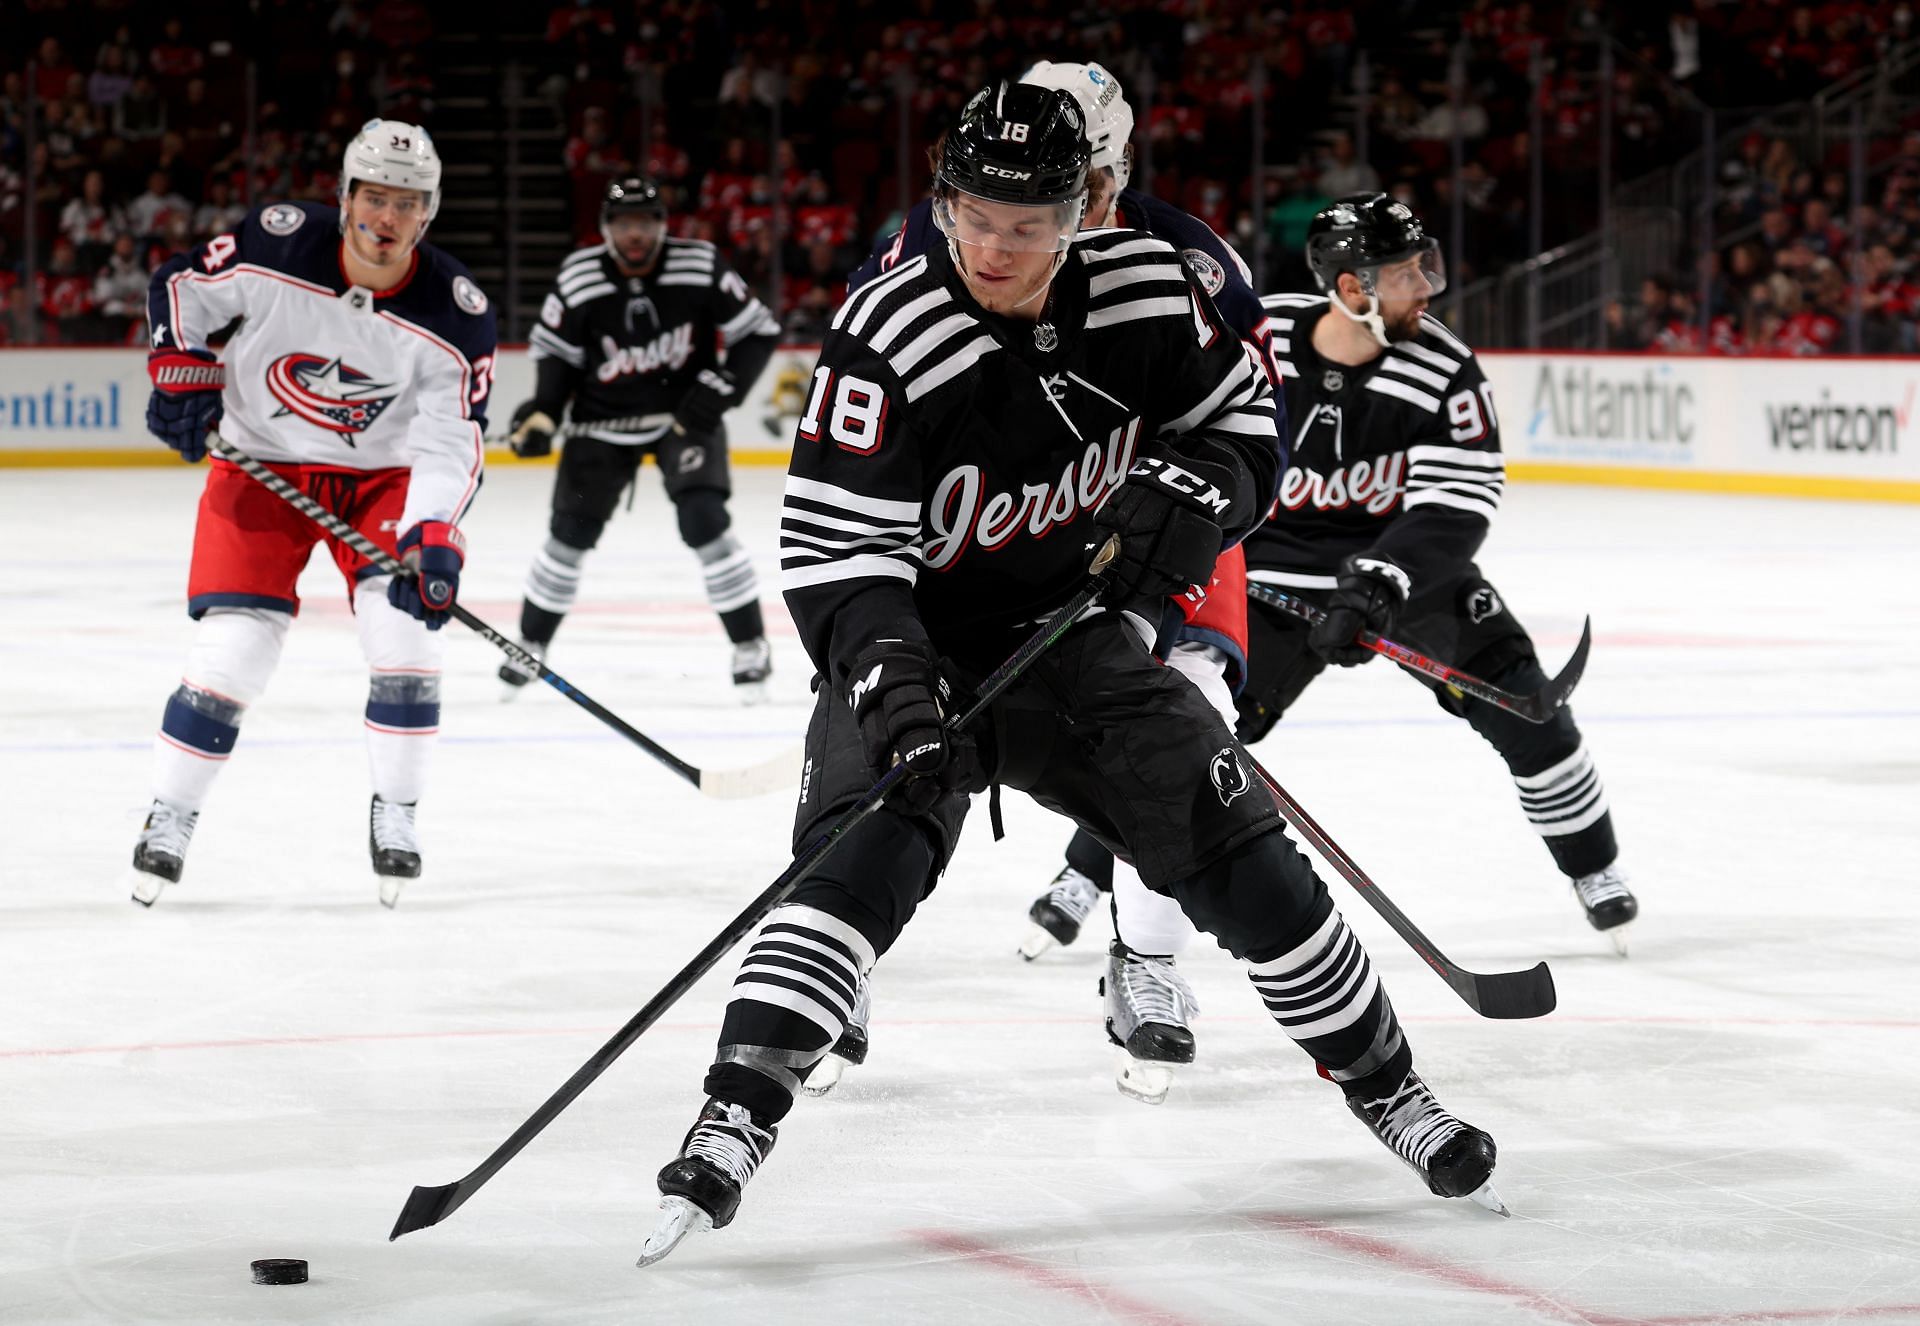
pixel 359 371
pixel 980 417
pixel 1394 477
pixel 629 330
pixel 1149 1003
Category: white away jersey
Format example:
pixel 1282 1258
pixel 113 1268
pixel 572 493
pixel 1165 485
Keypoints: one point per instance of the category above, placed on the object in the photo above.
pixel 320 372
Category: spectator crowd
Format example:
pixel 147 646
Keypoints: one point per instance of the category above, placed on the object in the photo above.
pixel 793 134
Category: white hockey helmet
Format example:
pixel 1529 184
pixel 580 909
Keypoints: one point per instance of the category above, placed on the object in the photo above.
pixel 1109 118
pixel 396 154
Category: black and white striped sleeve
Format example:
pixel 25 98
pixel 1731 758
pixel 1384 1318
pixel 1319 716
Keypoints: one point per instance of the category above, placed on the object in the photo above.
pixel 1217 409
pixel 850 521
pixel 1455 473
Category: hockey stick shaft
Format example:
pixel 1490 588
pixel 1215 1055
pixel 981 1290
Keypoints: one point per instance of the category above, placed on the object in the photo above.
pixel 632 423
pixel 1513 994
pixel 723 782
pixel 429 1206
pixel 1537 708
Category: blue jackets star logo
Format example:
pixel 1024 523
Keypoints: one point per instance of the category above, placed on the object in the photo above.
pixel 328 393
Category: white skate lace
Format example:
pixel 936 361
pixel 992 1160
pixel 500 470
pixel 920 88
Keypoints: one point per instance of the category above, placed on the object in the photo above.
pixel 1154 991
pixel 393 826
pixel 168 830
pixel 1073 894
pixel 736 1146
pixel 1413 1123
pixel 1601 886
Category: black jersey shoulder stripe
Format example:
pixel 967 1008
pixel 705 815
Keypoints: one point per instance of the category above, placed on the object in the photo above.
pixel 859 306
pixel 1444 334
pixel 575 298
pixel 591 253
pixel 1406 391
pixel 541 342
pixel 1401 366
pixel 892 328
pixel 756 319
pixel 1431 357
pixel 677 247
pixel 1094 247
pixel 1289 300
pixel 1132 276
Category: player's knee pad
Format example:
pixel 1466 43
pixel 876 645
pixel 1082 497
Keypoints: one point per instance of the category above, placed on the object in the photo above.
pixel 233 655
pixel 403 659
pixel 876 878
pixel 702 516
pixel 235 651
pixel 1258 901
pixel 574 529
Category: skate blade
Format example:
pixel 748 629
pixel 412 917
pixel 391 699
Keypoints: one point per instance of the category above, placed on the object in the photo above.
pixel 825 1076
pixel 1618 937
pixel 1036 943
pixel 147 888
pixel 752 694
pixel 1485 1196
pixel 390 886
pixel 1144 1080
pixel 678 1218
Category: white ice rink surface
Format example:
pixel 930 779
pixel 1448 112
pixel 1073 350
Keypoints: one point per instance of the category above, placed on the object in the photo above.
pixel 1720 1129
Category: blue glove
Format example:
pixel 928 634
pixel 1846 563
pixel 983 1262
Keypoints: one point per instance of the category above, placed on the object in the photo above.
pixel 434 551
pixel 186 399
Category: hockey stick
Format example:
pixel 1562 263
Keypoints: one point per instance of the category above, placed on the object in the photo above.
pixel 632 423
pixel 429 1206
pixel 727 784
pixel 1502 994
pixel 1539 707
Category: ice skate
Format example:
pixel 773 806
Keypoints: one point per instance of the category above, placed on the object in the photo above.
pixel 752 665
pixel 1609 903
pixel 515 675
pixel 161 853
pixel 1455 1159
pixel 394 846
pixel 1057 913
pixel 700 1190
pixel 850 1050
pixel 1148 1005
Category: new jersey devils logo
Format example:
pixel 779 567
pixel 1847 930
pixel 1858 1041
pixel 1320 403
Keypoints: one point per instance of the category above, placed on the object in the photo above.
pixel 1228 775
pixel 327 393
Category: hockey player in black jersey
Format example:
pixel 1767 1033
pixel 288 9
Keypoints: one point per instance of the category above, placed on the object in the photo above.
pixel 979 420
pixel 628 331
pixel 1394 476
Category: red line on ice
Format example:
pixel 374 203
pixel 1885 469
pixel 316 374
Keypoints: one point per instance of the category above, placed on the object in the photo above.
pixel 1111 1301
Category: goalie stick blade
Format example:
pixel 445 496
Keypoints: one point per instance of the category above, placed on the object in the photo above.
pixel 1554 694
pixel 1507 994
pixel 779 774
pixel 427 1206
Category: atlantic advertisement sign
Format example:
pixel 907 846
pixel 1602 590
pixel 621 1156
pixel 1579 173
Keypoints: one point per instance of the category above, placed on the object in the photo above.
pixel 1840 419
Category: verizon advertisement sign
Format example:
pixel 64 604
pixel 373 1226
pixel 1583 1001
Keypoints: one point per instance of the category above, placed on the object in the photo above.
pixel 1842 419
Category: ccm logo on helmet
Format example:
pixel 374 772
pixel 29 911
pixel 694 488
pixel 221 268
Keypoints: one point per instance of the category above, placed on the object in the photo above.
pixel 991 169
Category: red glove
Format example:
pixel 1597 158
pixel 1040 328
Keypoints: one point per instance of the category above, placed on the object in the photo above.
pixel 186 399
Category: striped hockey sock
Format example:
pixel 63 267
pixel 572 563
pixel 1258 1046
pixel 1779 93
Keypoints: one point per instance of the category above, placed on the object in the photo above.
pixel 553 581
pixel 1325 995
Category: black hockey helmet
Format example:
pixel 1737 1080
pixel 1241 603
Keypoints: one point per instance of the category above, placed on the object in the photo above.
pixel 1017 143
pixel 1363 232
pixel 635 193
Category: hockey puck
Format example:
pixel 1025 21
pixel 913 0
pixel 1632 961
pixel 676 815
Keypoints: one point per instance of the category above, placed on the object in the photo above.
pixel 280 1271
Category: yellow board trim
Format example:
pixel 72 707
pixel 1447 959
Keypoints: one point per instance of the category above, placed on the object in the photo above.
pixel 1771 485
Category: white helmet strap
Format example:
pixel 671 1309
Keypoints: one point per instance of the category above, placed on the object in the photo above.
pixel 1371 319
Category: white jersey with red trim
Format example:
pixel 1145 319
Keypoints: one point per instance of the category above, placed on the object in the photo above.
pixel 322 372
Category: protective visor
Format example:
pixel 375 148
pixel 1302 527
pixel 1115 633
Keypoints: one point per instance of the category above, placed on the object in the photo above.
pixel 1420 275
pixel 967 218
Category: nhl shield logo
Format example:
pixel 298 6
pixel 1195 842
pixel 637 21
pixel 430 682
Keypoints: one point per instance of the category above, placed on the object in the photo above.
pixel 1332 380
pixel 1045 337
pixel 1228 775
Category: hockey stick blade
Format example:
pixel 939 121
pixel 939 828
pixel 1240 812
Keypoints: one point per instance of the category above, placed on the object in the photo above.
pixel 429 1206
pixel 778 774
pixel 1553 696
pixel 1506 994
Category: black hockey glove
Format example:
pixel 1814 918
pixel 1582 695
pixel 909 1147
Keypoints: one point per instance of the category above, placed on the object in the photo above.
pixel 707 401
pixel 899 697
pixel 530 431
pixel 1370 594
pixel 1166 515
